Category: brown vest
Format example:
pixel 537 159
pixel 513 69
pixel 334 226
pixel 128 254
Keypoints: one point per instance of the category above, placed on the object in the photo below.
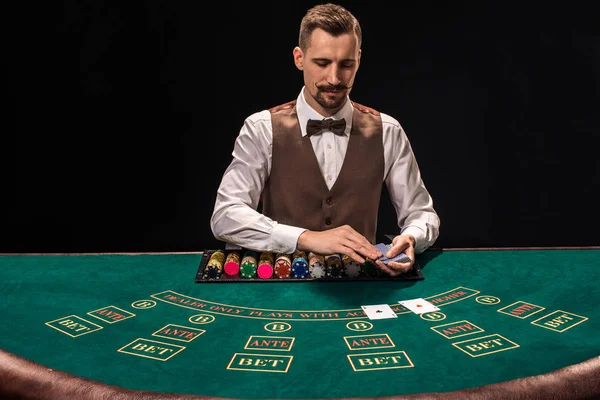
pixel 296 193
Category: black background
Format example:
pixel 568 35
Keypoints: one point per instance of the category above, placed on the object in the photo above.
pixel 122 115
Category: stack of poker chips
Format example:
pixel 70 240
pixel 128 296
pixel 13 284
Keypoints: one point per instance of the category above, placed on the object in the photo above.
pixel 334 267
pixel 316 265
pixel 249 264
pixel 232 264
pixel 214 266
pixel 299 265
pixel 351 266
pixel 369 268
pixel 283 265
pixel 266 265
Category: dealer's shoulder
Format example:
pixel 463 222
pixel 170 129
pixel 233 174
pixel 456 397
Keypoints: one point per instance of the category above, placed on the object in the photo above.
pixel 386 119
pixel 258 118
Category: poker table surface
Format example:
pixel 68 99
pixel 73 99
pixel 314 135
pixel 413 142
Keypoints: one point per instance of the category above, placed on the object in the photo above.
pixel 140 321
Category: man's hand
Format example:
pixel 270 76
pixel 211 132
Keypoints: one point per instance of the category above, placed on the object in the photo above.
pixel 401 243
pixel 341 240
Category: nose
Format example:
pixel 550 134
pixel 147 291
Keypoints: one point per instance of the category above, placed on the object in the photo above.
pixel 333 75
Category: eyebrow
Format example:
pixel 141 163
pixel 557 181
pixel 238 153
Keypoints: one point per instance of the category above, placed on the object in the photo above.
pixel 328 59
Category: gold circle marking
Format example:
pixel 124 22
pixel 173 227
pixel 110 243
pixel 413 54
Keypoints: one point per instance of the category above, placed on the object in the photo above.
pixel 143 304
pixel 278 327
pixel 487 300
pixel 433 316
pixel 359 326
pixel 201 319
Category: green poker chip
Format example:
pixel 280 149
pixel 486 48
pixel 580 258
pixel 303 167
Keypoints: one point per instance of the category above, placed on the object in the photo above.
pixel 369 268
pixel 248 270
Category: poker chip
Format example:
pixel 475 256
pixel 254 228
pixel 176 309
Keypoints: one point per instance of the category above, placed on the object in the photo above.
pixel 335 272
pixel 352 269
pixel 300 269
pixel 266 257
pixel 316 270
pixel 369 268
pixel 299 265
pixel 299 254
pixel 283 257
pixel 249 264
pixel 265 265
pixel 212 272
pixel 334 266
pixel 283 269
pixel 231 268
pixel 214 265
pixel 316 265
pixel 232 264
pixel 283 265
pixel 264 271
pixel 248 270
pixel 217 257
pixel 216 260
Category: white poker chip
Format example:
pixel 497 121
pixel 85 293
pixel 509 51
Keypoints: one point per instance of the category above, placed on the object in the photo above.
pixel 352 269
pixel 316 270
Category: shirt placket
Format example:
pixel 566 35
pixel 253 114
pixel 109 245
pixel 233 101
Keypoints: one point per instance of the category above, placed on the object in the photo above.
pixel 330 158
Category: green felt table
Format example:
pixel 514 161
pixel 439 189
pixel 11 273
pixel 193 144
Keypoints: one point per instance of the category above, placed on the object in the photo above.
pixel 140 321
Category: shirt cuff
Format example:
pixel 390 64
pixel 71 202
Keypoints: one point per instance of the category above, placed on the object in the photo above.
pixel 285 238
pixel 419 236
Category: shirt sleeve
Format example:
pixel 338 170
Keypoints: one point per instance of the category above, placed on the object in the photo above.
pixel 235 218
pixel 408 194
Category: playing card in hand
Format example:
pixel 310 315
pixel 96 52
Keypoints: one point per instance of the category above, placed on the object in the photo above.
pixel 401 257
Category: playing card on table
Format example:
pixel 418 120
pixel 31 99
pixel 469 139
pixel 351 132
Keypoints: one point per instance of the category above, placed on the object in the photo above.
pixel 379 311
pixel 401 257
pixel 419 306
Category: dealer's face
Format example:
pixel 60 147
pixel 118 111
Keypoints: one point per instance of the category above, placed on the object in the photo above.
pixel 329 65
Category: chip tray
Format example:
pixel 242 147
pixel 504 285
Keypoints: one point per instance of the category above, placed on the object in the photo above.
pixel 414 273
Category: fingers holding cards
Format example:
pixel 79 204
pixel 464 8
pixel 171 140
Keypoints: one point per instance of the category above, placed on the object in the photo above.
pixel 396 265
pixel 399 258
pixel 387 269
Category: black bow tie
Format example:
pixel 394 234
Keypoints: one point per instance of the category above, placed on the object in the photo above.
pixel 315 126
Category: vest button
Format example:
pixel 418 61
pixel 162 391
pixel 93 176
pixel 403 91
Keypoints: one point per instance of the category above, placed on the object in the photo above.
pixel 327 221
pixel 329 201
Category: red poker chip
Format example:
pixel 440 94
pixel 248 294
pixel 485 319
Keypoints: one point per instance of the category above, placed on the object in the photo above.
pixel 283 270
pixel 231 268
pixel 265 271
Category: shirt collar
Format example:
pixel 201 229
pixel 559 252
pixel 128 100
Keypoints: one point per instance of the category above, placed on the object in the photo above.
pixel 306 112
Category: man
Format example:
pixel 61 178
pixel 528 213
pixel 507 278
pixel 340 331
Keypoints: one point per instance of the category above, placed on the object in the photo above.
pixel 317 164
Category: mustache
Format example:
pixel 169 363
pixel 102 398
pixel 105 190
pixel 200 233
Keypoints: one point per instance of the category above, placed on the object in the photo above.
pixel 333 88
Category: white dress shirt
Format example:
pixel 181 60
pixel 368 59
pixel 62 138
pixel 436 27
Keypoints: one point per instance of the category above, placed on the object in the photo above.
pixel 236 220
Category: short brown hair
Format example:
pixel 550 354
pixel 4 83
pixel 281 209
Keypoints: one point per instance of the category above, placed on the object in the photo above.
pixel 332 18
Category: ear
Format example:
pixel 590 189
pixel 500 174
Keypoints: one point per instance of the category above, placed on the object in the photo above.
pixel 299 58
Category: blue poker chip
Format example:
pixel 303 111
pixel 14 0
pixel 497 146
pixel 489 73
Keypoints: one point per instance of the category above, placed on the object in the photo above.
pixel 299 269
